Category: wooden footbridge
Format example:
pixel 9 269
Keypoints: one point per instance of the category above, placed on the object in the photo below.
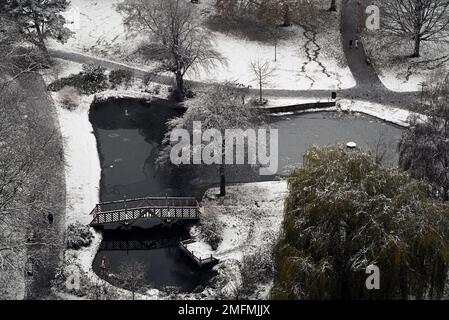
pixel 137 245
pixel 130 211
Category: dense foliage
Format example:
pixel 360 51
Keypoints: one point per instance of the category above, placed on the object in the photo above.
pixel 345 212
pixel 91 80
pixel 424 148
pixel 119 77
pixel 39 20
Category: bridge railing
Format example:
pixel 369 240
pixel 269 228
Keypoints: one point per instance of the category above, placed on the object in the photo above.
pixel 134 209
pixel 158 202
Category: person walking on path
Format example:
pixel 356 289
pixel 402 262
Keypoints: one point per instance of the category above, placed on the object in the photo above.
pixel 356 44
pixel 350 43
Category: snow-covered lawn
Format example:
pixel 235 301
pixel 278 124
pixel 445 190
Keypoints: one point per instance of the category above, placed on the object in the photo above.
pixel 251 216
pixel 98 28
pixel 61 69
pixel 249 220
pixel 239 54
pixel 99 31
pixel 397 71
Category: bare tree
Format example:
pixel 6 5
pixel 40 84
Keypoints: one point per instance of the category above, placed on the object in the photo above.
pixel 176 38
pixel 381 146
pixel 333 5
pixel 132 276
pixel 417 20
pixel 220 107
pixel 263 73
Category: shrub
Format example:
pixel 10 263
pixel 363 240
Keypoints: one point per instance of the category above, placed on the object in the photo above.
pixel 120 76
pixel 69 97
pixel 74 80
pixel 147 78
pixel 211 228
pixel 78 236
pixel 256 269
pixel 92 79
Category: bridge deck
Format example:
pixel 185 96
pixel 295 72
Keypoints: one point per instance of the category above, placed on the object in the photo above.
pixel 132 210
pixel 197 258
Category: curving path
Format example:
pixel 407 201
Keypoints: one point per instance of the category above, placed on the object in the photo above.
pixel 368 88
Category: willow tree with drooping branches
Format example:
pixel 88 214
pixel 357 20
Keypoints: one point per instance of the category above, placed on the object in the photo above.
pixel 345 212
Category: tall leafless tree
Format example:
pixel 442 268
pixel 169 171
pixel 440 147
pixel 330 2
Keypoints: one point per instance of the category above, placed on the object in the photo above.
pixel 219 107
pixel 176 38
pixel 417 20
pixel 263 72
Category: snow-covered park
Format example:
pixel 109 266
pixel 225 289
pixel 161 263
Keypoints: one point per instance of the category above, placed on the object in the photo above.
pixel 360 156
pixel 99 31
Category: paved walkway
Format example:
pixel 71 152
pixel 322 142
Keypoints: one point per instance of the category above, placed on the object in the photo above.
pixel 368 88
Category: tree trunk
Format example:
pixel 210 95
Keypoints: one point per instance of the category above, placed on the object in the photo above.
pixel 287 21
pixel 41 42
pixel 275 50
pixel 333 5
pixel 417 51
pixel 417 28
pixel 222 181
pixel 180 90
pixel 260 92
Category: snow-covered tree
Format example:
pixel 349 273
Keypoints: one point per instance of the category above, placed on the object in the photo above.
pixel 16 58
pixel 176 38
pixel 424 148
pixel 344 213
pixel 39 20
pixel 131 276
pixel 417 20
pixel 221 107
pixel 29 154
pixel 263 73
